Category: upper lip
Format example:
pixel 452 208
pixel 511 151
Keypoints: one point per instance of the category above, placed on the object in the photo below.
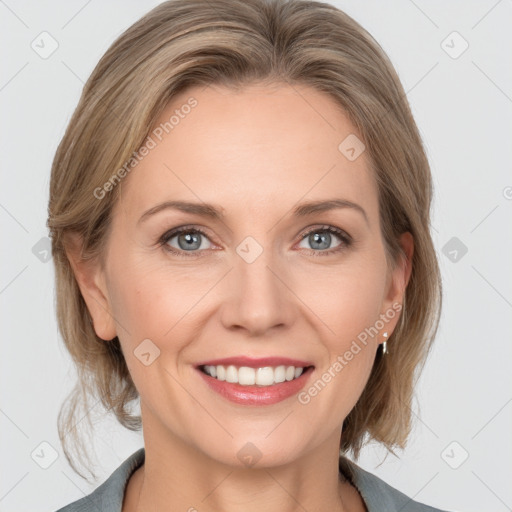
pixel 260 362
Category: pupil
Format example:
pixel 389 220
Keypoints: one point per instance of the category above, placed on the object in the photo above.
pixel 317 238
pixel 190 240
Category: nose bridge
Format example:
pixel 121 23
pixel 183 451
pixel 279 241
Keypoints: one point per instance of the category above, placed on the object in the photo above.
pixel 258 298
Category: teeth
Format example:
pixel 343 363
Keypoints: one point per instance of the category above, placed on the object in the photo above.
pixel 246 376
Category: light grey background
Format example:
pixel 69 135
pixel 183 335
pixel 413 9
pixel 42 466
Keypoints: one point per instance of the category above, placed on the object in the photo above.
pixel 463 107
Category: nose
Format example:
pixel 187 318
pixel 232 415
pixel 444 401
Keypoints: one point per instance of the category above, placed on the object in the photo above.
pixel 258 298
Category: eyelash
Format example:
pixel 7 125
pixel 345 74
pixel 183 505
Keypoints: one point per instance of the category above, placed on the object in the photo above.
pixel 345 239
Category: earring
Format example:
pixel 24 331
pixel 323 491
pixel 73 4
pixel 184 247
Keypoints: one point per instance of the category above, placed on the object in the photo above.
pixel 384 343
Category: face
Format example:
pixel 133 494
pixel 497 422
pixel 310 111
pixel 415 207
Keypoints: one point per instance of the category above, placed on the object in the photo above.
pixel 260 279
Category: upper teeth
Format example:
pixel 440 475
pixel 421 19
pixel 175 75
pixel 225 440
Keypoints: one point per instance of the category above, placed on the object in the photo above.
pixel 247 376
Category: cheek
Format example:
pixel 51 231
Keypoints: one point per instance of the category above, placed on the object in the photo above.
pixel 347 299
pixel 345 309
pixel 346 303
pixel 155 301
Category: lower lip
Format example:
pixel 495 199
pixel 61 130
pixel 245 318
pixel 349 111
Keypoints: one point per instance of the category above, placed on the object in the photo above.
pixel 257 395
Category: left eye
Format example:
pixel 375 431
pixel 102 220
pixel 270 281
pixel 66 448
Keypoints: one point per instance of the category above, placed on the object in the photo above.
pixel 321 238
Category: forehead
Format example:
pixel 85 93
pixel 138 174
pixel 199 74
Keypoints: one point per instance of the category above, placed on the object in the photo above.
pixel 256 149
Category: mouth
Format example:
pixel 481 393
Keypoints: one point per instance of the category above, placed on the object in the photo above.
pixel 264 376
pixel 261 385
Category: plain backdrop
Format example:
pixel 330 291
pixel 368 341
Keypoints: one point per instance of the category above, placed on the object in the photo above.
pixel 454 61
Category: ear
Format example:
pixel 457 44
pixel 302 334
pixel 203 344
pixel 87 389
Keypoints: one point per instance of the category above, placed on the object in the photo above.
pixel 91 281
pixel 399 280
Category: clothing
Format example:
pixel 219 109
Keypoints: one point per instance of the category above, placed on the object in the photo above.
pixel 377 494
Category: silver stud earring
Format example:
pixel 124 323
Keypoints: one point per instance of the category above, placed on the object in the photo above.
pixel 384 343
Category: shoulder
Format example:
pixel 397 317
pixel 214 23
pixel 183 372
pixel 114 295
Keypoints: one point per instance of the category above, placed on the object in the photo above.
pixel 108 497
pixel 379 495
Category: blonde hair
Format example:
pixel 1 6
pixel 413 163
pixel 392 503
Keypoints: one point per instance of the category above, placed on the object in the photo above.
pixel 183 43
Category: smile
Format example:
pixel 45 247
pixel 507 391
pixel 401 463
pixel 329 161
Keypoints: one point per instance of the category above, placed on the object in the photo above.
pixel 255 386
pixel 246 376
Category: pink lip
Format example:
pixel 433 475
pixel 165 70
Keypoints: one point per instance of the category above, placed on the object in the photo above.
pixel 256 363
pixel 257 395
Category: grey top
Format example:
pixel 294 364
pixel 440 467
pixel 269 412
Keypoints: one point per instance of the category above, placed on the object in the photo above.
pixel 377 494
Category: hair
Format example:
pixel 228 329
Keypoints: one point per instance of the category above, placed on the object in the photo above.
pixel 184 43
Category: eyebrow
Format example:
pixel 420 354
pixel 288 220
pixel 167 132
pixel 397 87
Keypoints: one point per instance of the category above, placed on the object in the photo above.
pixel 216 213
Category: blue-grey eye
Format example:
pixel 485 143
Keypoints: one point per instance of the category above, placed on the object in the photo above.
pixel 321 238
pixel 188 240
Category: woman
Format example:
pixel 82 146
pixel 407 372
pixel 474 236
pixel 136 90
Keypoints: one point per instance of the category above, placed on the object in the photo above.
pixel 239 213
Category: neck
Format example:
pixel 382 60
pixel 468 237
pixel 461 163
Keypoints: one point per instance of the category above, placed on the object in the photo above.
pixel 164 482
pixel 178 475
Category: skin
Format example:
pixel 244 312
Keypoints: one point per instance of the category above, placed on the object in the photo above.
pixel 256 153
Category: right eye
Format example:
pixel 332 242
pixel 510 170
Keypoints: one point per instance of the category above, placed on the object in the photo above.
pixel 187 239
